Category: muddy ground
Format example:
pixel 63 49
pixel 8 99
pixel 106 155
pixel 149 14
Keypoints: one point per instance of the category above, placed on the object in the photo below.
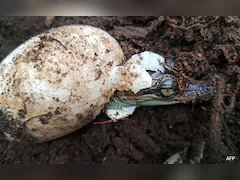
pixel 209 49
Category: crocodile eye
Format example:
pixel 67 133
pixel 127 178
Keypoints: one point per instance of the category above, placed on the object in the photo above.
pixel 167 92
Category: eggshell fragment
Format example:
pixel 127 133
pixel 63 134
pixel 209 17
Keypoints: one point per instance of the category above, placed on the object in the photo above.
pixel 59 79
pixel 148 60
pixel 133 74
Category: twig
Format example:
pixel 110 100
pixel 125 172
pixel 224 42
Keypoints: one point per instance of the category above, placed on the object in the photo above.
pixel 183 27
pixel 19 130
pixel 154 25
pixel 214 140
pixel 229 140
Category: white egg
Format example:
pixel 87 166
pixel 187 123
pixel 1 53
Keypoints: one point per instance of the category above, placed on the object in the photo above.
pixel 60 80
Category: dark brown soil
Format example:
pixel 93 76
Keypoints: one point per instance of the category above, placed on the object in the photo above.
pixel 209 48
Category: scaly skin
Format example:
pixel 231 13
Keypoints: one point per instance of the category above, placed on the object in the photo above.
pixel 170 87
pixel 192 90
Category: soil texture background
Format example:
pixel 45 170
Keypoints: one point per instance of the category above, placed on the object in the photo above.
pixel 208 47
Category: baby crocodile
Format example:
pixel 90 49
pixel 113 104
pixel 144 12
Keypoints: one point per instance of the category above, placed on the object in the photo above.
pixel 170 86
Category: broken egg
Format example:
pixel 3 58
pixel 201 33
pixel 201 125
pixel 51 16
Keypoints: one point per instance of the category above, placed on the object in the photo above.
pixel 133 75
pixel 58 81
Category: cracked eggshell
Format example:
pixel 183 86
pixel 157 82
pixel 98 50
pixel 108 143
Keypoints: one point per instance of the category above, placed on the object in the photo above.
pixel 148 60
pixel 133 74
pixel 60 79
